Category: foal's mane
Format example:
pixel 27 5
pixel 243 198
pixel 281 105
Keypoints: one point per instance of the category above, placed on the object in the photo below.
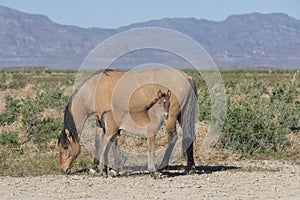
pixel 152 103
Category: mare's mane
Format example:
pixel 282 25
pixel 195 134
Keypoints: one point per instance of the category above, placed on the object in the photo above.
pixel 105 71
pixel 69 122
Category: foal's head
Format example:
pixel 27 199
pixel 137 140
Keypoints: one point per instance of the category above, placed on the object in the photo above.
pixel 164 102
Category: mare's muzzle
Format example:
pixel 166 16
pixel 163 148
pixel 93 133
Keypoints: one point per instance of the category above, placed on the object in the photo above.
pixel 65 170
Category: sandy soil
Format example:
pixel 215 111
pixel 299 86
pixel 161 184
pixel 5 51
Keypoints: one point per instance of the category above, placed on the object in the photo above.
pixel 239 180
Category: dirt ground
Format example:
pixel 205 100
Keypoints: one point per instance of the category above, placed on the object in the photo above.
pixel 236 180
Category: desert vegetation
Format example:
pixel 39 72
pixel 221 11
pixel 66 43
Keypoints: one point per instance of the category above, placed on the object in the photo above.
pixel 262 117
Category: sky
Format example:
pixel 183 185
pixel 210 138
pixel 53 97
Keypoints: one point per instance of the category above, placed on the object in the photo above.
pixel 113 13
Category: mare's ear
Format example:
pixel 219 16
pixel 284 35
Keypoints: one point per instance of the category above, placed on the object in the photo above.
pixel 159 94
pixel 169 93
pixel 69 137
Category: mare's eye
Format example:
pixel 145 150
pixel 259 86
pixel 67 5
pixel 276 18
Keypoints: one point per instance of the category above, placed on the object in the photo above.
pixel 65 144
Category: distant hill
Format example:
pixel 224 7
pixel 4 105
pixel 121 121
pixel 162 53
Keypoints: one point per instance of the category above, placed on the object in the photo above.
pixel 28 39
pixel 241 40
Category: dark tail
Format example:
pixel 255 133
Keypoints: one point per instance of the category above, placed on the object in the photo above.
pixel 188 124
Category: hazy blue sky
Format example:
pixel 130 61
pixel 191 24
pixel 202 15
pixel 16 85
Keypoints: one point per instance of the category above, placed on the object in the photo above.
pixel 113 13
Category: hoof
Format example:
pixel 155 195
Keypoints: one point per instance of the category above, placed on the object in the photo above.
pixel 92 171
pixel 189 170
pixel 103 174
pixel 155 175
pixel 165 168
pixel 114 173
pixel 103 170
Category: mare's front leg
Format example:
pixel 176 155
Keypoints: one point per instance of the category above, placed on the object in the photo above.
pixel 106 144
pixel 110 135
pixel 98 141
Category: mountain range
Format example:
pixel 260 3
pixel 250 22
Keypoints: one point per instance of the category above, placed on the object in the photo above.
pixel 255 39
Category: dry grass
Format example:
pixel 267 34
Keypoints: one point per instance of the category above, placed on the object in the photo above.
pixel 2 103
pixel 15 127
pixel 26 160
pixel 132 143
pixel 50 113
pixel 136 144
pixel 293 143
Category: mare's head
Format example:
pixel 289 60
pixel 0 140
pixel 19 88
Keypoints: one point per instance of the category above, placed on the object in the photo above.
pixel 68 142
pixel 164 102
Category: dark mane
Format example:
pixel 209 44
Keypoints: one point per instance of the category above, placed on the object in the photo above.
pixel 151 104
pixel 104 71
pixel 69 124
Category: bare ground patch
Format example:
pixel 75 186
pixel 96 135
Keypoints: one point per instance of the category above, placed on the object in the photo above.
pixel 239 180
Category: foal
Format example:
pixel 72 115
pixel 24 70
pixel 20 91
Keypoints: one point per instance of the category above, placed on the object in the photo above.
pixel 144 123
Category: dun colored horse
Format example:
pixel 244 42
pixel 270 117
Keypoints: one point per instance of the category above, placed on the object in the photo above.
pixel 109 94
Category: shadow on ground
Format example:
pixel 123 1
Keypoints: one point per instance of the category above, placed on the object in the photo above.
pixel 170 171
pixel 178 170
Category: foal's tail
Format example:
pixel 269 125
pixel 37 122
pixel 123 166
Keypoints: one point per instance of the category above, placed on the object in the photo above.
pixel 188 116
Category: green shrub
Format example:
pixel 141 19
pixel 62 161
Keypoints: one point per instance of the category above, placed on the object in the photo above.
pixel 9 139
pixel 49 96
pixel 12 110
pixel 246 131
pixel 204 103
pixel 43 130
pixel 259 121
pixel 11 80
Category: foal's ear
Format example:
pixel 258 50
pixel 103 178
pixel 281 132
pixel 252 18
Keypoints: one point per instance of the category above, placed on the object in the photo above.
pixel 169 93
pixel 69 137
pixel 159 94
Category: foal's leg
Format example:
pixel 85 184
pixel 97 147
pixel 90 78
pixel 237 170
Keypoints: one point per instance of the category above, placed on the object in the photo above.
pixel 151 156
pixel 172 138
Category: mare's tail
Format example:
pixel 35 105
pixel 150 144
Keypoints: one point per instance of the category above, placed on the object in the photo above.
pixel 188 116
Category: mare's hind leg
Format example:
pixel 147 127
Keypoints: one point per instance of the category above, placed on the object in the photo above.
pixel 190 167
pixel 172 138
pixel 117 159
pixel 106 144
pixel 188 148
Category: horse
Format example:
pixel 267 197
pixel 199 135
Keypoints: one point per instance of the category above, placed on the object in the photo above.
pixel 132 91
pixel 147 123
